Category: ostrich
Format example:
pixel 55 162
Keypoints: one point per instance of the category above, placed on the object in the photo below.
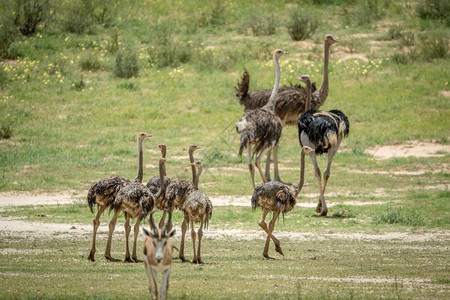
pixel 262 128
pixel 323 131
pixel 197 208
pixel 125 189
pixel 178 189
pixel 290 101
pixel 279 198
pixel 102 193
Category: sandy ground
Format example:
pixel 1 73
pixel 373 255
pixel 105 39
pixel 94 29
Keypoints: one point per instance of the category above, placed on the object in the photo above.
pixel 412 148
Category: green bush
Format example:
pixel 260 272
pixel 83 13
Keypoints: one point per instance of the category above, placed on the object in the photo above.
pixel 259 24
pixel 90 63
pixel 5 130
pixel 78 19
pixel 396 216
pixel 433 45
pixel 434 9
pixel 126 64
pixel 8 34
pixel 301 25
pixel 213 15
pixel 29 14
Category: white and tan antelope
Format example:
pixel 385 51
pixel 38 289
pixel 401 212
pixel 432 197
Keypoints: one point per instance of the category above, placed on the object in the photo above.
pixel 158 256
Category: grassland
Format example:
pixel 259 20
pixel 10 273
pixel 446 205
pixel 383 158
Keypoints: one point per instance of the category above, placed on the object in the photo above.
pixel 68 119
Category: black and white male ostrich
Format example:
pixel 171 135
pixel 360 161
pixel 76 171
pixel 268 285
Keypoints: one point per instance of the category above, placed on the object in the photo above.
pixel 323 131
pixel 262 128
pixel 104 192
pixel 290 100
pixel 197 209
pixel 279 198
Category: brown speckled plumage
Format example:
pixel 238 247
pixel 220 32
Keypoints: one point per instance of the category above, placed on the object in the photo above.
pixel 104 191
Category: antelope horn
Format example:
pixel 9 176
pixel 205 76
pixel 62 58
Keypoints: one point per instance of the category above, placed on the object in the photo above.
pixel 166 225
pixel 152 222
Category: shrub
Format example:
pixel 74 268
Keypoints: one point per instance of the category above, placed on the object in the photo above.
pixel 395 216
pixel 213 16
pixel 3 77
pixel 90 63
pixel 78 18
pixel 434 9
pixel 433 45
pixel 126 64
pixel 259 24
pixel 29 13
pixel 5 130
pixel 79 85
pixel 301 25
pixel 8 34
pixel 394 33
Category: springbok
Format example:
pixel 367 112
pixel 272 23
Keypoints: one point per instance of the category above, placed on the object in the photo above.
pixel 158 256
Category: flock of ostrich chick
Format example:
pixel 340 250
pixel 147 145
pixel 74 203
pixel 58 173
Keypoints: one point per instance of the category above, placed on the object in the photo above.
pixel 266 113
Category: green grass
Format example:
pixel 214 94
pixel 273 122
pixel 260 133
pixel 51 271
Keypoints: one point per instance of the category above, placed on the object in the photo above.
pixel 67 120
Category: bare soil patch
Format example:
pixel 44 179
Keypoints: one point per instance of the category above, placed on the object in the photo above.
pixel 411 148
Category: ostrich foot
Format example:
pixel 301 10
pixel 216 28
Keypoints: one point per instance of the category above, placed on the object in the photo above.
pixel 108 257
pixel 197 261
pixel 127 259
pixel 91 256
pixel 182 258
pixel 278 249
pixel 136 260
pixel 324 212
pixel 319 207
pixel 266 256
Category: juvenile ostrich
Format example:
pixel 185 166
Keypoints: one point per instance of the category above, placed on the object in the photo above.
pixel 323 131
pixel 158 256
pixel 102 193
pixel 290 101
pixel 126 189
pixel 178 189
pixel 262 128
pixel 279 198
pixel 197 209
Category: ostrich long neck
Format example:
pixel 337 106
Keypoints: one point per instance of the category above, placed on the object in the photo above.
pixel 302 175
pixel 308 95
pixel 163 155
pixel 198 177
pixel 323 91
pixel 191 158
pixel 162 186
pixel 140 173
pixel 271 103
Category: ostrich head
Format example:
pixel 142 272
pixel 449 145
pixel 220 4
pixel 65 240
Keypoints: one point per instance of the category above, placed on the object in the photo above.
pixel 330 39
pixel 143 135
pixel 279 53
pixel 163 149
pixel 304 78
pixel 192 148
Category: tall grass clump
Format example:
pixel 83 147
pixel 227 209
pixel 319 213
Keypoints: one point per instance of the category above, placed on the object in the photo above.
pixel 301 25
pixel 77 18
pixel 126 64
pixel 8 34
pixel 29 14
pixel 363 14
pixel 396 216
pixel 259 24
pixel 213 14
pixel 434 9
pixel 90 63
pixel 166 49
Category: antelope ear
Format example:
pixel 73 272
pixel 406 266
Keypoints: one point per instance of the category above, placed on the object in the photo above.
pixel 146 232
pixel 172 233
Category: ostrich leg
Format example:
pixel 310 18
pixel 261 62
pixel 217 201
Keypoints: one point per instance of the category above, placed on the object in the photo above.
pixel 112 226
pixel 136 233
pixel 326 176
pixel 263 225
pixel 127 236
pixel 258 166
pixel 267 171
pixel 183 234
pixel 195 260
pixel 163 218
pixel 269 234
pixel 250 165
pixel 96 224
pixel 321 207
pixel 275 163
pixel 200 235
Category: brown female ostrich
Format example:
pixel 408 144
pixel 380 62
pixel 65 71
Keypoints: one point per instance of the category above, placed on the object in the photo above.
pixel 290 101
pixel 322 131
pixel 138 179
pixel 262 128
pixel 136 201
pixel 104 192
pixel 279 198
pixel 197 209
